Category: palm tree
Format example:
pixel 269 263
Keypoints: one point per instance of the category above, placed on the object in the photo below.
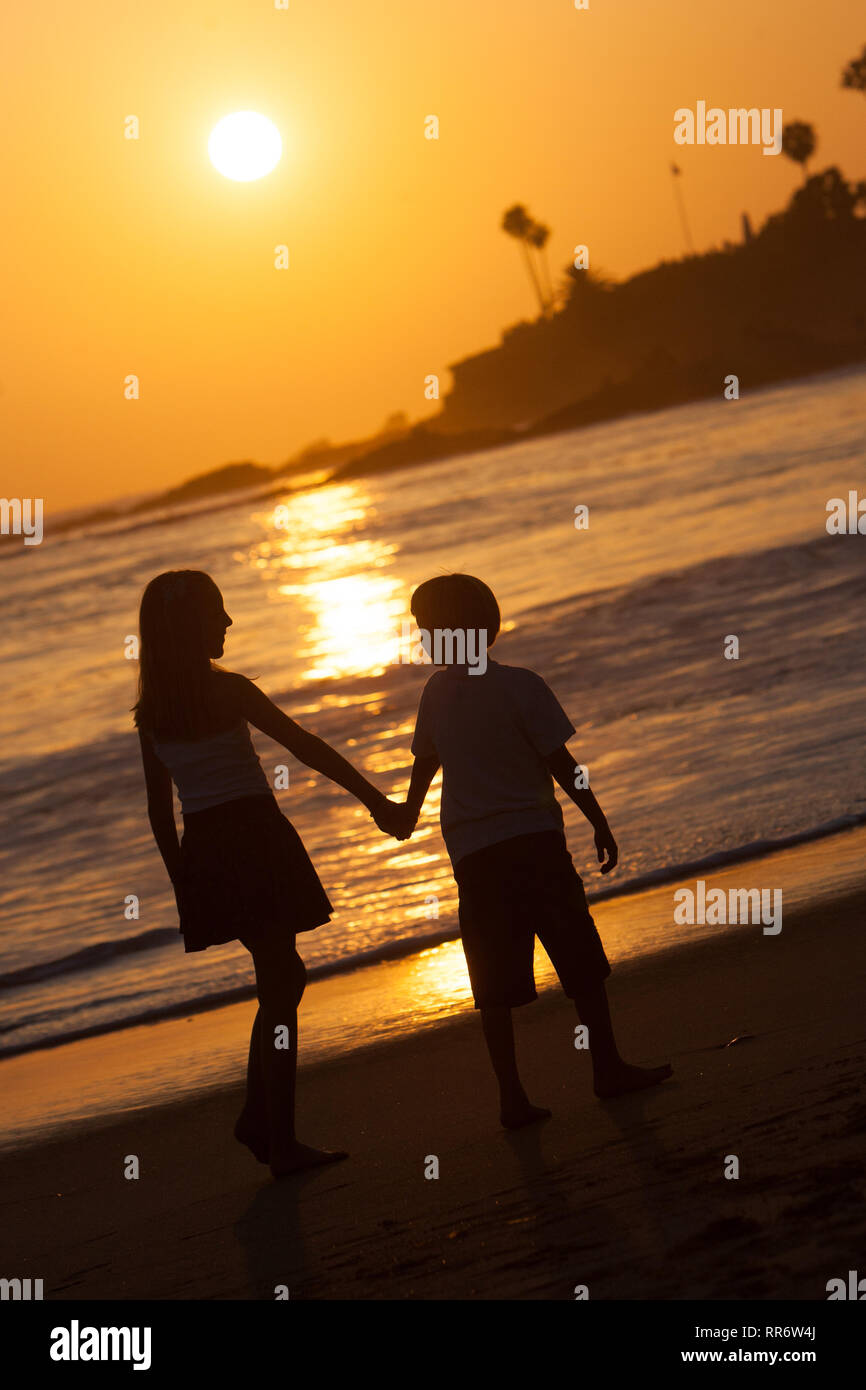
pixel 798 143
pixel 517 223
pixel 538 237
pixel 854 76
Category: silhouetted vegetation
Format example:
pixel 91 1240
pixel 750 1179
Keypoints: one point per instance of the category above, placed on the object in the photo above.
pixel 788 300
pixel 854 75
pixel 518 224
pixel 798 143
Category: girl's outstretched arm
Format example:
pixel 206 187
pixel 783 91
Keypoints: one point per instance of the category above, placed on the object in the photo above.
pixel 160 807
pixel 310 750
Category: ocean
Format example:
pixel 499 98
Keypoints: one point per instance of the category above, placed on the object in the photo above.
pixel 705 522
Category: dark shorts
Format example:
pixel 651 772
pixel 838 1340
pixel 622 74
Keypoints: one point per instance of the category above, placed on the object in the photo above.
pixel 511 892
pixel 245 873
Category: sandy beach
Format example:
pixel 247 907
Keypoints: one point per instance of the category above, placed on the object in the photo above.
pixel 628 1198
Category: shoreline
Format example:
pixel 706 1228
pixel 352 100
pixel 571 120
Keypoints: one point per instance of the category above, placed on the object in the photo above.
pixel 76 1085
pixel 627 1197
pixel 403 948
pixel 580 412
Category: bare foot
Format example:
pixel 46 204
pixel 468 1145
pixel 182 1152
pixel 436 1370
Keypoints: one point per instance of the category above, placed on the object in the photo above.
pixel 625 1078
pixel 301 1156
pixel 518 1116
pixel 256 1141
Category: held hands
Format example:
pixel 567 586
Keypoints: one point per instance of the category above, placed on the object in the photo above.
pixel 605 844
pixel 394 818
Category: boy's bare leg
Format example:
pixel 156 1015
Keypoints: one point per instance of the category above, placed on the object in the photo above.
pixel 611 1075
pixel 515 1109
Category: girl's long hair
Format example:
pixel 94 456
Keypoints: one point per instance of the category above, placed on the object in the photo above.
pixel 175 687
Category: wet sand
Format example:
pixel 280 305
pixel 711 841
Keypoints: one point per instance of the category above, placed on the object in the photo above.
pixel 627 1197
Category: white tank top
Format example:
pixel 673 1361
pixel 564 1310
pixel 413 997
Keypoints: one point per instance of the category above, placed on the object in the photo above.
pixel 209 771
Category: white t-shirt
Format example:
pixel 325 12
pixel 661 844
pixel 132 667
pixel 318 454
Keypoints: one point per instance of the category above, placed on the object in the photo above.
pixel 492 733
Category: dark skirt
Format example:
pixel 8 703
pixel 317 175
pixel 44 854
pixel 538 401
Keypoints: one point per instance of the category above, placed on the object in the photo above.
pixel 245 873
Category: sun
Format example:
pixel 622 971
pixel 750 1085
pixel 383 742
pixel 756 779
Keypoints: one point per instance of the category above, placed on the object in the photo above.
pixel 244 146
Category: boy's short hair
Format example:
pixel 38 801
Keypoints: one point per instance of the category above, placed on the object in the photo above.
pixel 456 601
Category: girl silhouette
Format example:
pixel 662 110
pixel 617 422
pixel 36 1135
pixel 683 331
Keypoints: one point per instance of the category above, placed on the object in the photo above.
pixel 240 871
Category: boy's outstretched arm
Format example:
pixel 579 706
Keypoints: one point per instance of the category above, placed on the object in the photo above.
pixel 563 767
pixel 406 818
pixel 423 772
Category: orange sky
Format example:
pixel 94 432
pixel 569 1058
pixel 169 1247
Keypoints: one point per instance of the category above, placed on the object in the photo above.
pixel 136 256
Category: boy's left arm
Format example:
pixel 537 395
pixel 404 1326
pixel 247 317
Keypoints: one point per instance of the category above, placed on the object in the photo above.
pixel 399 819
pixel 563 767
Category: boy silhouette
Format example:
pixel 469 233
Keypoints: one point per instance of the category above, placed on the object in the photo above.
pixel 500 735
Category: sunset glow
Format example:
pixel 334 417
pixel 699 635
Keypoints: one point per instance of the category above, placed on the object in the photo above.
pixel 398 266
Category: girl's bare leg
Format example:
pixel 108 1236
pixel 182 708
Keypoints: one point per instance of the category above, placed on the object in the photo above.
pixel 252 1125
pixel 280 980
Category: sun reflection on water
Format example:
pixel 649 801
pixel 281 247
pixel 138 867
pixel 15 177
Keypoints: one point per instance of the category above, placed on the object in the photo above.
pixel 438 980
pixel 342 580
pixel 320 555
